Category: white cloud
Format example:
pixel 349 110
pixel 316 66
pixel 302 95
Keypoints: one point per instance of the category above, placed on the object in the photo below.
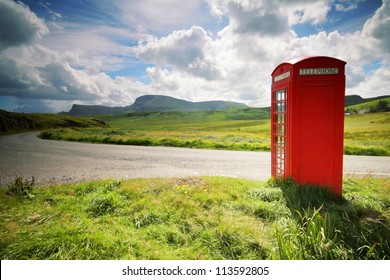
pixel 299 11
pixel 184 50
pixel 162 79
pixel 379 27
pixel 53 78
pixel 373 85
pixel 270 17
pixel 260 17
pixel 92 47
pixel 265 19
pixel 346 5
pixel 160 16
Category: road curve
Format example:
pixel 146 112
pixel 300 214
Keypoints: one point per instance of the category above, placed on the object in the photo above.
pixel 61 162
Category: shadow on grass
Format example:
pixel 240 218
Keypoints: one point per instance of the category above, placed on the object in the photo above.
pixel 324 226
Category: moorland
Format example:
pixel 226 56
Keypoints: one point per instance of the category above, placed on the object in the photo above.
pixel 195 217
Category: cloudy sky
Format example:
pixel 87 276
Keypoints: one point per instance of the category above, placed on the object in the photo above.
pixel 55 53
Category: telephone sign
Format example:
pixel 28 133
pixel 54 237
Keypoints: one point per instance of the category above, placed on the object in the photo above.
pixel 318 71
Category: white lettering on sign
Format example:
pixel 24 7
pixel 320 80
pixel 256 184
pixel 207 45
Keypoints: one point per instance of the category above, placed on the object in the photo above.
pixel 318 71
pixel 280 77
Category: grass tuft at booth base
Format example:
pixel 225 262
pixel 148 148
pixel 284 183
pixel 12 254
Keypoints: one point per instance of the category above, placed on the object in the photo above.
pixel 195 218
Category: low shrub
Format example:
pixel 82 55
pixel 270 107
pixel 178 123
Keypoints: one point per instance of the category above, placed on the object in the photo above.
pixel 138 142
pixel 102 204
pixel 21 187
pixel 363 151
pixel 45 135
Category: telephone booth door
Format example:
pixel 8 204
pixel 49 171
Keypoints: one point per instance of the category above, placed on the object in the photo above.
pixel 279 132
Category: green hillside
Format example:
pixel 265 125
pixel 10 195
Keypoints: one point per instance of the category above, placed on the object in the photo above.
pixel 94 110
pixel 14 122
pixel 166 103
pixel 375 105
pixel 353 100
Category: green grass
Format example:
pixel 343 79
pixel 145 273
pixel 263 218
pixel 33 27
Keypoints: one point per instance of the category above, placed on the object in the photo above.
pixel 244 129
pixel 195 218
pixel 367 134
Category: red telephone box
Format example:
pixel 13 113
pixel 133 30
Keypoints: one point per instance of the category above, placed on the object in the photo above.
pixel 307 121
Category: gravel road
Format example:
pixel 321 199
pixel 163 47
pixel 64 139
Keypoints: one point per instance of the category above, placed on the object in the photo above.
pixel 56 161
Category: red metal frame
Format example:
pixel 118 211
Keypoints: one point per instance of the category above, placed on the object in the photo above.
pixel 307 136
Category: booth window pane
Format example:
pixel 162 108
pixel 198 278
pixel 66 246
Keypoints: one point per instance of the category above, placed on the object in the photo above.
pixel 279 140
pixel 279 129
pixel 280 118
pixel 280 153
pixel 280 107
pixel 280 95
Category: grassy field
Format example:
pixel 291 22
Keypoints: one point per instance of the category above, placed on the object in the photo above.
pixel 194 218
pixel 245 129
pixel 367 133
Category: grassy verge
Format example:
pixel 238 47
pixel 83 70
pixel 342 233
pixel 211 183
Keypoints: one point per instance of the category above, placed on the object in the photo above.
pixel 247 129
pixel 200 140
pixel 194 218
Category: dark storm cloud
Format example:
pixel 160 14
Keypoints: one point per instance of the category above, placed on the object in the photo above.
pixel 10 76
pixel 18 25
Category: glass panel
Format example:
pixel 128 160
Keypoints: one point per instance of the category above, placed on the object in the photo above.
pixel 280 107
pixel 280 95
pixel 280 166
pixel 280 141
pixel 279 129
pixel 280 118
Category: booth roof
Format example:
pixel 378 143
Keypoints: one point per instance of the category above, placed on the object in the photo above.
pixel 299 59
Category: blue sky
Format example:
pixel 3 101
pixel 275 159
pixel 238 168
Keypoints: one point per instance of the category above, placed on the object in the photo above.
pixel 57 53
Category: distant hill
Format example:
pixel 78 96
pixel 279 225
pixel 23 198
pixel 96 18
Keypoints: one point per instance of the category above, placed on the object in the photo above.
pixel 370 105
pixel 94 110
pixel 151 103
pixel 13 122
pixel 148 103
pixel 351 100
